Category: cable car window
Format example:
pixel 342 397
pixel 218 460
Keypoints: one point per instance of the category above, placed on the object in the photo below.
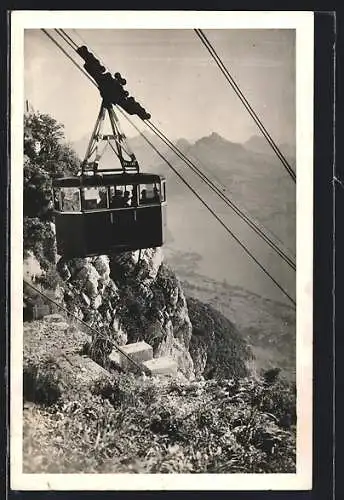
pixel 92 198
pixel 111 192
pixel 128 196
pixel 102 201
pixel 117 197
pixel 121 196
pixel 70 199
pixel 150 193
pixel 57 200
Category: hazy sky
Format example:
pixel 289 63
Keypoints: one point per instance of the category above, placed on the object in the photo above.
pixel 173 76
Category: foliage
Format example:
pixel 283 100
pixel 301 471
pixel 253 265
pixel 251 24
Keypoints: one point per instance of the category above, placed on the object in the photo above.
pixel 45 155
pixel 39 238
pixel 226 350
pixel 102 345
pixel 139 307
pixel 41 383
pixel 53 155
pixel 133 311
pixel 145 425
pixel 51 279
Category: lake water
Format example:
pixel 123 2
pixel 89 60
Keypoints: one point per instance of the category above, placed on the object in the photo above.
pixel 194 230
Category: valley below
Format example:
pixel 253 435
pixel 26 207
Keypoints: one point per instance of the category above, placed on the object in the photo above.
pixel 209 262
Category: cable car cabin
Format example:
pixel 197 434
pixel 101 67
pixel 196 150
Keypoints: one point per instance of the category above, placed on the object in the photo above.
pixel 109 213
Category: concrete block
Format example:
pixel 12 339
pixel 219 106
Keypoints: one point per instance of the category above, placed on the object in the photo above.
pixel 138 351
pixel 161 366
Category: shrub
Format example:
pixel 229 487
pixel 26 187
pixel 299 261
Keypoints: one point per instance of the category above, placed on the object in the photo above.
pixel 53 157
pixel 39 238
pixel 41 383
pixel 226 350
pixel 135 424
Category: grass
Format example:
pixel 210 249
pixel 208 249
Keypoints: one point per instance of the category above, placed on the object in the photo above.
pixel 230 424
pixel 147 425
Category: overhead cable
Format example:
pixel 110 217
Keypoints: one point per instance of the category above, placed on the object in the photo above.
pixel 247 219
pixel 69 56
pixel 228 230
pixel 89 327
pixel 69 40
pixel 199 197
pixel 245 102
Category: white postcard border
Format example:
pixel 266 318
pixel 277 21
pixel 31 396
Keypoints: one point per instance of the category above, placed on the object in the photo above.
pixel 303 23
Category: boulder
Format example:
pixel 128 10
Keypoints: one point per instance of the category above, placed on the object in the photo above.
pixel 86 299
pixel 172 348
pixel 96 302
pixel 136 283
pixel 102 266
pixel 54 318
pixel 91 287
pixel 122 337
pixel 66 376
pixel 161 366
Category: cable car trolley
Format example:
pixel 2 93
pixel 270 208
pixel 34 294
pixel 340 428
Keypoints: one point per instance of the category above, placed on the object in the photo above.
pixel 104 211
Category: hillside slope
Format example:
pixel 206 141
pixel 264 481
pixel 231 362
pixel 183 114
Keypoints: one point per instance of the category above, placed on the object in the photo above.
pixel 83 415
pixel 137 297
pixel 79 418
pixel 83 410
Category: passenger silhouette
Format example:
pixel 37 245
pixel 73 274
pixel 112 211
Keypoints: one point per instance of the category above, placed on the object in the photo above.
pixel 143 196
pixel 117 200
pixel 103 200
pixel 156 196
pixel 127 199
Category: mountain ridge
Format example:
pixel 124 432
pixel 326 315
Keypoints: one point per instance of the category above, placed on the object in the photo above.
pixel 256 144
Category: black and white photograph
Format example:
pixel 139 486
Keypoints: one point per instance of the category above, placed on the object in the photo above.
pixel 161 250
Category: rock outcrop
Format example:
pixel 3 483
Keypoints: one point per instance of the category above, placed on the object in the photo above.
pixel 133 296
pixel 31 268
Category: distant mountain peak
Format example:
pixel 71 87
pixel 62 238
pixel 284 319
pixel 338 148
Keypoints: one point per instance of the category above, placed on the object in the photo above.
pixel 216 141
pixel 258 144
pixel 214 136
pixel 182 143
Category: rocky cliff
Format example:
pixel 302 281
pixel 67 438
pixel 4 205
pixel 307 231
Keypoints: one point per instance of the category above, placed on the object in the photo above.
pixel 130 297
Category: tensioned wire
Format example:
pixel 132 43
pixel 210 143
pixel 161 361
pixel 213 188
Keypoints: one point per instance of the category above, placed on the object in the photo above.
pixel 228 230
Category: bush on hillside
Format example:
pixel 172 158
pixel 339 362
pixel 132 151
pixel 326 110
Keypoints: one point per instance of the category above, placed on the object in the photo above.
pixel 46 155
pixel 142 425
pixel 227 352
pixel 39 238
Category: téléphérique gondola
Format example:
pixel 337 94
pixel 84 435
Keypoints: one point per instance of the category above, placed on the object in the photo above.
pixel 113 209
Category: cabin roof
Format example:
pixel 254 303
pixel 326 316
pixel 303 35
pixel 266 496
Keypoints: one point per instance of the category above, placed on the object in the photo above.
pixel 107 180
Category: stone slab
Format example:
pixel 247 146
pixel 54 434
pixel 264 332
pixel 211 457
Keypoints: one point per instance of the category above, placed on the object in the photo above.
pixel 138 351
pixel 161 366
